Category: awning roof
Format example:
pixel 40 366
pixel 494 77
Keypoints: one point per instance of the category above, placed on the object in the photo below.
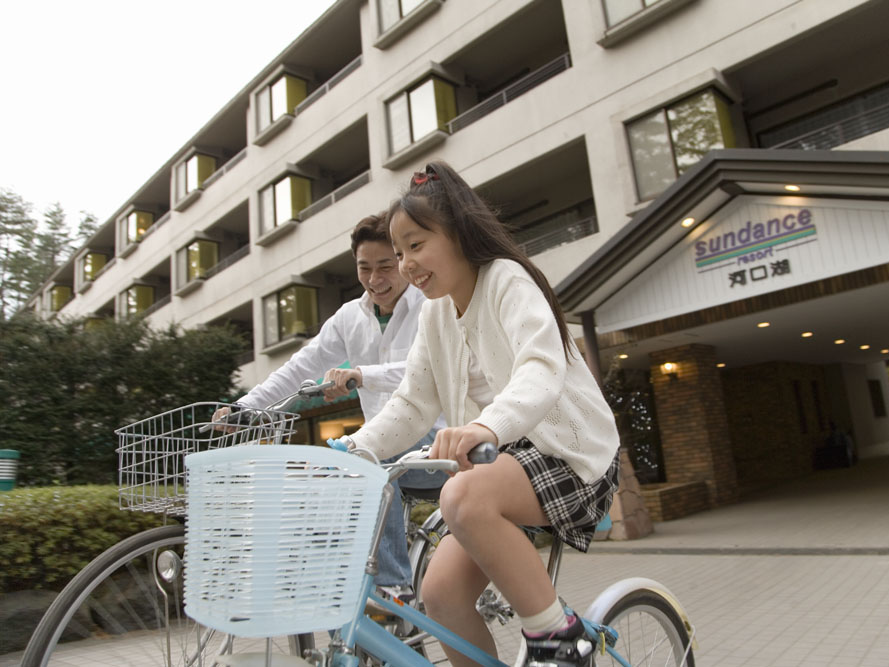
pixel 705 188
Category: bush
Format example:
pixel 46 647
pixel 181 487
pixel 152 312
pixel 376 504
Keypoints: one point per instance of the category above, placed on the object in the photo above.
pixel 51 533
pixel 67 386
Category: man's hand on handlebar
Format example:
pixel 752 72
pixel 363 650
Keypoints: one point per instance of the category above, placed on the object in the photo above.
pixel 220 416
pixel 341 378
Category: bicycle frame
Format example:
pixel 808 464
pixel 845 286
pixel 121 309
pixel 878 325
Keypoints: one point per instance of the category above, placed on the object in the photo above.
pixel 370 636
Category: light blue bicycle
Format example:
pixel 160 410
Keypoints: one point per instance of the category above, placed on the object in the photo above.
pixel 279 547
pixel 282 540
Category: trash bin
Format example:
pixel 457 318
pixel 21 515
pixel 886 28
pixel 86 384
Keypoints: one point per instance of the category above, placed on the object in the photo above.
pixel 9 462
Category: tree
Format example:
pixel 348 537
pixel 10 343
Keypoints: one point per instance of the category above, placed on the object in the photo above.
pixel 86 228
pixel 53 244
pixel 68 385
pixel 17 232
pixel 30 252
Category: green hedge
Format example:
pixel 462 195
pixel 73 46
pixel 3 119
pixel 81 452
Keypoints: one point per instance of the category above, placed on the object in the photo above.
pixel 47 535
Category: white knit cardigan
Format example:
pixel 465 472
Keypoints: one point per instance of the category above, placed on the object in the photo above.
pixel 539 394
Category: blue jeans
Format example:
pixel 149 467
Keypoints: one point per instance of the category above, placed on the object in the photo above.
pixel 394 565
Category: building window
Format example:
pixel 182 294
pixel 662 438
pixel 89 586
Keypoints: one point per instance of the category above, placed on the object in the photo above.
pixel 93 262
pixel 196 259
pixel 292 311
pixel 135 225
pixel 619 10
pixel 420 110
pixel 191 174
pixel 138 298
pixel 670 140
pixel 59 295
pixel 279 98
pixel 282 201
pixel 392 11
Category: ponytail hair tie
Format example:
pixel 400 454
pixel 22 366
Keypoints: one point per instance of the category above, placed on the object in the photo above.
pixel 419 177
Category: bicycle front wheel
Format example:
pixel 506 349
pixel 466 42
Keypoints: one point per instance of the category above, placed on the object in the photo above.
pixel 120 610
pixel 650 632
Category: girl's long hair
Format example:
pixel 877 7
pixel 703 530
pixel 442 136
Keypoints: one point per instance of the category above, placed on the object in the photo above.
pixel 440 198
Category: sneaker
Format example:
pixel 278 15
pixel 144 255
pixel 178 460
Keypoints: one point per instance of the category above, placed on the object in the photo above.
pixel 569 647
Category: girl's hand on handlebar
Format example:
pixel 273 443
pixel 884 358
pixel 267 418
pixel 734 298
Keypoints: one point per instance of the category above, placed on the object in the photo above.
pixel 341 377
pixel 456 442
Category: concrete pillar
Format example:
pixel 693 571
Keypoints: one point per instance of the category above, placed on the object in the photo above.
pixel 692 421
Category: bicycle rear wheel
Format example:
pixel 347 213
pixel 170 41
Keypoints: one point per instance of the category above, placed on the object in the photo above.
pixel 650 631
pixel 117 611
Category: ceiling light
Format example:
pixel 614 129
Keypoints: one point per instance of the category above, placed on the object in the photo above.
pixel 763 325
pixel 839 341
pixel 720 365
pixel 622 356
pixel 885 351
pixel 864 347
pixel 688 222
pixel 807 334
pixel 791 188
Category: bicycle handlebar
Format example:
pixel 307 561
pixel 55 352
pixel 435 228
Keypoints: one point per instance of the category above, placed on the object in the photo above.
pixel 242 415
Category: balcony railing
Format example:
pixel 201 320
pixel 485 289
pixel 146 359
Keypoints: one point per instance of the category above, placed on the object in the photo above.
pixel 842 131
pixel 345 189
pixel 543 237
pixel 511 92
pixel 237 255
pixel 157 305
pixel 330 83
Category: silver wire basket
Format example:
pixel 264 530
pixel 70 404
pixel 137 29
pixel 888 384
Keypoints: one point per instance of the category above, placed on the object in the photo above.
pixel 152 451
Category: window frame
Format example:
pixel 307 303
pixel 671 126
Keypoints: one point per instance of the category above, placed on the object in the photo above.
pixel 125 299
pixel 282 339
pixel 388 35
pixel 727 132
pixel 265 132
pixel 268 199
pixel 183 194
pixel 404 153
pixel 636 22
pixel 52 297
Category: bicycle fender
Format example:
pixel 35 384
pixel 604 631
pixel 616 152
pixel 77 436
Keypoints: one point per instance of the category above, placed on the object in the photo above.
pixel 607 598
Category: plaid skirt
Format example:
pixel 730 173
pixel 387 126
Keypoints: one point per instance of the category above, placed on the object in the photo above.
pixel 572 506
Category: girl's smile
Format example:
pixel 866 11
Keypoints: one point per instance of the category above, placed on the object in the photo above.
pixel 432 261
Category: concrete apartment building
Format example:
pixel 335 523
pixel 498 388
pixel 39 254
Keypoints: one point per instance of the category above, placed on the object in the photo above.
pixel 641 150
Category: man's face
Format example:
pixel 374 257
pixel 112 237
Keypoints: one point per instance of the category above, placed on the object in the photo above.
pixel 378 274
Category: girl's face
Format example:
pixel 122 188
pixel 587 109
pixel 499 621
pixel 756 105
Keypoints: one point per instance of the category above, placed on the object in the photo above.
pixel 431 260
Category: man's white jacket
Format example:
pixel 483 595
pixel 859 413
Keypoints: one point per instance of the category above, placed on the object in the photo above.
pixel 352 334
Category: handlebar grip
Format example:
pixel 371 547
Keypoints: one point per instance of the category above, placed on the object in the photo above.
pixel 485 452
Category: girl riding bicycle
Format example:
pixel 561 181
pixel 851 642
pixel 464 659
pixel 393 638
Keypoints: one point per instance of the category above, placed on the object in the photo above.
pixel 494 354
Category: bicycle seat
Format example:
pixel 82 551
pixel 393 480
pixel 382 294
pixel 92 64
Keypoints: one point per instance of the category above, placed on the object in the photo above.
pixel 430 494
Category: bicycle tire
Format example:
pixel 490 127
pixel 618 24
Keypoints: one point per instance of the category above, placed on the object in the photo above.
pixel 650 631
pixel 114 606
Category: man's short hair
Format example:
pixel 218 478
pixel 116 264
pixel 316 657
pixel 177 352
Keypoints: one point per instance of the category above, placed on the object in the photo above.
pixel 371 228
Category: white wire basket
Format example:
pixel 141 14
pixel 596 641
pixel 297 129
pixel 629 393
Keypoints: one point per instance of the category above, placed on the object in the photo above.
pixel 277 537
pixel 151 452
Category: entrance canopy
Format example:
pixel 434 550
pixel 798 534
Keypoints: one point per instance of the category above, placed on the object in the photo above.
pixel 798 239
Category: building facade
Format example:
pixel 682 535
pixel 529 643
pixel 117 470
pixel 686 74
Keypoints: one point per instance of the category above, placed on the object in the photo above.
pixel 596 127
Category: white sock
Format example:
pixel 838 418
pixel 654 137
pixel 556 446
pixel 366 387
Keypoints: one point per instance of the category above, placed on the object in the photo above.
pixel 549 620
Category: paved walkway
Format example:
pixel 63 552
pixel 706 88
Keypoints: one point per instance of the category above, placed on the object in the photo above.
pixel 795 576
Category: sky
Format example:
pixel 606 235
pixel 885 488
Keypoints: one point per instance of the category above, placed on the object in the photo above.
pixel 99 94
